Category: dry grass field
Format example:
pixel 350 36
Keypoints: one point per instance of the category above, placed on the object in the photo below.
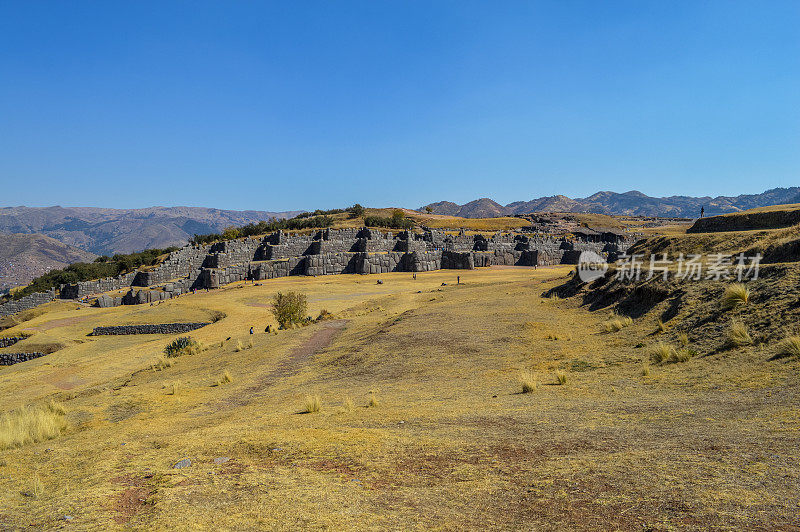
pixel 416 415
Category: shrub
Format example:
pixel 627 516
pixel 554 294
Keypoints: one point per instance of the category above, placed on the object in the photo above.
pixel 289 308
pixel 31 424
pixel 788 347
pixel 101 267
pixel 312 404
pixel 561 378
pixel 528 382
pixel 356 211
pixel 734 296
pixel 738 335
pixel 216 315
pixel 617 323
pixel 184 345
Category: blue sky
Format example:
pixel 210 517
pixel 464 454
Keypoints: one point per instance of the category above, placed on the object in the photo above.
pixel 304 105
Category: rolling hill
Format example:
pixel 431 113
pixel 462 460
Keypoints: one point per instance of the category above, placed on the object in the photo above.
pixel 633 203
pixel 23 257
pixel 110 231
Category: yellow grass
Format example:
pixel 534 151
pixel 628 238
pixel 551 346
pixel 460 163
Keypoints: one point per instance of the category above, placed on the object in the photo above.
pixel 452 427
pixel 734 296
pixel 617 323
pixel 31 424
pixel 312 404
pixel 738 335
pixel 789 347
pixel 528 382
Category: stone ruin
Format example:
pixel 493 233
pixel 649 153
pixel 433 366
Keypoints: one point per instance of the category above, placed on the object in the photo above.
pixel 325 252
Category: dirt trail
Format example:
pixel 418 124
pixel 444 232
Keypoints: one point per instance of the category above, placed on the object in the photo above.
pixel 287 367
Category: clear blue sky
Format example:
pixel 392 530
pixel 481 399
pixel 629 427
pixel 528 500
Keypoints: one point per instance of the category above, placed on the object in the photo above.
pixel 303 105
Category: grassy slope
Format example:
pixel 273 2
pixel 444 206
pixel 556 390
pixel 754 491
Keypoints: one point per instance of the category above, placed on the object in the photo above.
pixel 709 442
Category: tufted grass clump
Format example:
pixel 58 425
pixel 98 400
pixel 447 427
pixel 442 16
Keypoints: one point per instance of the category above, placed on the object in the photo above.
pixel 660 327
pixel 617 323
pixel 373 400
pixel 312 404
pixel 348 404
pixel 32 424
pixel 184 345
pixel 738 335
pixel 528 382
pixel 561 378
pixel 788 347
pixel 683 339
pixel 161 363
pixel 224 379
pixel 661 353
pixel 735 295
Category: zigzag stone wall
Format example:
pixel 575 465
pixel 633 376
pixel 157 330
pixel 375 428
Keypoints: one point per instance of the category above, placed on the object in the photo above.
pixel 326 252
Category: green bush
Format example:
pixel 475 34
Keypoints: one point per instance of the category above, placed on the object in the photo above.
pixel 184 345
pixel 289 308
pixel 101 267
pixel 302 221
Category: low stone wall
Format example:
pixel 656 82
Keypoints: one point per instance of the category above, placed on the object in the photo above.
pixel 27 302
pixel 8 341
pixel 161 328
pixel 7 359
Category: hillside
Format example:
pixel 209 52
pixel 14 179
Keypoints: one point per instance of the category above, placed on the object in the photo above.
pixel 422 420
pixel 110 231
pixel 24 257
pixel 633 203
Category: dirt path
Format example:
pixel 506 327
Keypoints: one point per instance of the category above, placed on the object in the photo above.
pixel 287 367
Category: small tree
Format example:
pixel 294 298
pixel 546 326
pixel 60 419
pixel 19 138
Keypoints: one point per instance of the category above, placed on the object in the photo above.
pixel 428 209
pixel 289 308
pixel 230 233
pixel 357 210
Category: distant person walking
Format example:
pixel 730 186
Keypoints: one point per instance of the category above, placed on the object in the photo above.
pixel 251 330
pixel 702 211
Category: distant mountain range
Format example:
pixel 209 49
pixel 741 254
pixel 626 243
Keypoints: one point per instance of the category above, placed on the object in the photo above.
pixel 109 231
pixel 24 257
pixel 631 203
